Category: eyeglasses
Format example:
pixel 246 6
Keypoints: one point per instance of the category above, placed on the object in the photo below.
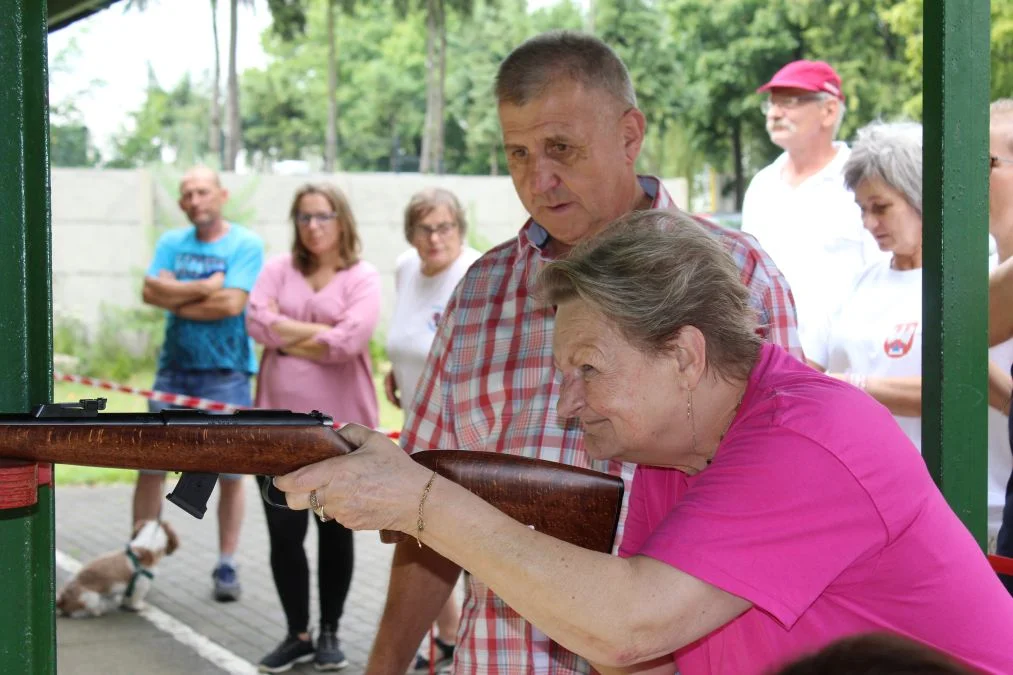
pixel 994 161
pixel 307 218
pixel 426 231
pixel 789 102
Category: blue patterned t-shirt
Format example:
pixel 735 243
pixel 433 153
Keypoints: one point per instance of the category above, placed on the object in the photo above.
pixel 209 345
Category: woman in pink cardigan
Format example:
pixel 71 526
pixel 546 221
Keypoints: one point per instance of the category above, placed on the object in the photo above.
pixel 314 310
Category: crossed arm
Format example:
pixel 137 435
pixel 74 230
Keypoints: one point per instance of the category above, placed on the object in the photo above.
pixel 199 300
pixel 298 337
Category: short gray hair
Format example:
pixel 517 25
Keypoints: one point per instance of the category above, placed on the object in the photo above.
pixel 841 109
pixel 538 64
pixel 889 152
pixel 1000 114
pixel 652 273
pixel 1001 108
pixel 428 200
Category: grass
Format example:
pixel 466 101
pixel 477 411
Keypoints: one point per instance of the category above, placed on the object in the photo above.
pixel 391 418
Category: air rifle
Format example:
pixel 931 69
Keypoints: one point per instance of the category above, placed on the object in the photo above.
pixel 576 505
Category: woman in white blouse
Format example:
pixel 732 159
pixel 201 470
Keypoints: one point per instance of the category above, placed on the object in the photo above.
pixel 874 340
pixel 425 277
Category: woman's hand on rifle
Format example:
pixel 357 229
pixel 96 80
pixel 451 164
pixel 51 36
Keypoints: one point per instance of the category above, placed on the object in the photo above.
pixel 377 487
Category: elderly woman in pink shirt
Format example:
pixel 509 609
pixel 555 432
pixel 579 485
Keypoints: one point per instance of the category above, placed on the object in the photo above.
pixel 774 509
pixel 314 310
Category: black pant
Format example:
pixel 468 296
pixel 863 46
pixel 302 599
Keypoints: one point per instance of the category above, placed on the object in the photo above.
pixel 335 558
pixel 1004 543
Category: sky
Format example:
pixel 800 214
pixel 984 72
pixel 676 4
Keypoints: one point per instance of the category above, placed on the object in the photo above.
pixel 114 48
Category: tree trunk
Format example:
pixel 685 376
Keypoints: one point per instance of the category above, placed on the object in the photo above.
pixel 232 104
pixel 395 145
pixel 740 178
pixel 590 17
pixel 494 160
pixel 215 132
pixel 426 153
pixel 440 94
pixel 331 142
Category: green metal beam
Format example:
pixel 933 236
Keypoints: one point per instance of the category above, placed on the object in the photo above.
pixel 62 13
pixel 27 624
pixel 955 230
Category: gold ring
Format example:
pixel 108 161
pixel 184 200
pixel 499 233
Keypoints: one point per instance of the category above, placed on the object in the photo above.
pixel 317 508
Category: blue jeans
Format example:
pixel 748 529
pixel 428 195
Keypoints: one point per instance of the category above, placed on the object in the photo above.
pixel 227 386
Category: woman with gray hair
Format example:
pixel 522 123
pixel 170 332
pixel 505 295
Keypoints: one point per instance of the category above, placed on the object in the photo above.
pixel 775 509
pixel 425 276
pixel 874 339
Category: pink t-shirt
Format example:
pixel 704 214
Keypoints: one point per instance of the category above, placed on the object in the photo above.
pixel 819 511
pixel 340 385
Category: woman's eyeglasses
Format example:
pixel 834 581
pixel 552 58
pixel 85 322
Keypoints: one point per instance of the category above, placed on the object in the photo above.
pixel 307 218
pixel 426 231
pixel 994 161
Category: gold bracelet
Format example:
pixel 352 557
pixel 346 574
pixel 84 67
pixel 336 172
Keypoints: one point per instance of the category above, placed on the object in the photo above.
pixel 421 524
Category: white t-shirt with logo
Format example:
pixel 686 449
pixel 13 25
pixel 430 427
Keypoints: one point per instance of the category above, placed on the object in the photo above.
pixel 1000 460
pixel 418 308
pixel 877 332
pixel 813 232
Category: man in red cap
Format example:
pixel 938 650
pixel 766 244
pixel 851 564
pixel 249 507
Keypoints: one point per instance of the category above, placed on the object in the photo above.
pixel 798 206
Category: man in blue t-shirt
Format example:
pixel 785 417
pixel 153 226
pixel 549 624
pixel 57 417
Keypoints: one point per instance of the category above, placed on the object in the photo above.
pixel 202 276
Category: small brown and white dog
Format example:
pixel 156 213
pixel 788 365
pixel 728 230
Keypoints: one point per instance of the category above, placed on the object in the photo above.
pixel 119 578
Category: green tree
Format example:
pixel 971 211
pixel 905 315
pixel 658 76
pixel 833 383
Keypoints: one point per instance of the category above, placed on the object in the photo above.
pixel 729 47
pixel 70 141
pixel 379 90
pixel 289 21
pixel 905 17
pixel 170 126
pixel 215 121
pixel 476 46
pixel 434 130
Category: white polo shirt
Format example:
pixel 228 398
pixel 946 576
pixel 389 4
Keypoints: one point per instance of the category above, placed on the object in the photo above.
pixel 813 232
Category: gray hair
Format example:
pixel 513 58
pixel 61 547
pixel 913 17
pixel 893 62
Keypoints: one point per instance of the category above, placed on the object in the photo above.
pixel 425 202
pixel 1000 114
pixel 889 152
pixel 539 63
pixel 1001 108
pixel 652 273
pixel 841 109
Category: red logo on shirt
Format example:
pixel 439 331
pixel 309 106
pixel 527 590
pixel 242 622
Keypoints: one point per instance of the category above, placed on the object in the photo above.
pixel 899 344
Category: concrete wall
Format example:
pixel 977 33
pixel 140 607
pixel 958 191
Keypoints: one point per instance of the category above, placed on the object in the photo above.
pixel 105 223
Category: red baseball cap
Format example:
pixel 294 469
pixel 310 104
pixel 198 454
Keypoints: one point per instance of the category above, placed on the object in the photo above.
pixel 807 75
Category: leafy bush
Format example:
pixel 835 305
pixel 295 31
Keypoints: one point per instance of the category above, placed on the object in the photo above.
pixel 126 342
pixel 378 353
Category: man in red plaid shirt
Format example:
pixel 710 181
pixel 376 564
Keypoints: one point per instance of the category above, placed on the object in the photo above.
pixel 572 133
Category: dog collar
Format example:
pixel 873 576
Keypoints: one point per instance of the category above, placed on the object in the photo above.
pixel 139 570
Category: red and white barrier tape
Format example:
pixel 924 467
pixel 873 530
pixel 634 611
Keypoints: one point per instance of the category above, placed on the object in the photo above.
pixel 167 397
pixel 154 395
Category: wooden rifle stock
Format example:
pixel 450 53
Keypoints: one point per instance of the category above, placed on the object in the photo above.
pixel 579 506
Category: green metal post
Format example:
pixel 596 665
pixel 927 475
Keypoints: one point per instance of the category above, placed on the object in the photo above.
pixel 955 229
pixel 27 624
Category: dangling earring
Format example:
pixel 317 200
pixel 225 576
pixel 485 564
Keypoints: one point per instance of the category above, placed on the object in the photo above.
pixel 691 418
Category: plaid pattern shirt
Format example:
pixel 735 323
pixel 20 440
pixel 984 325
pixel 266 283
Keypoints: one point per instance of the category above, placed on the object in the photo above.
pixel 489 384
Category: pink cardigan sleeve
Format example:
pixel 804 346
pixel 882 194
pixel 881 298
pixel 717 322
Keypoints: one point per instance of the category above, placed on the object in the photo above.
pixel 259 316
pixel 351 333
